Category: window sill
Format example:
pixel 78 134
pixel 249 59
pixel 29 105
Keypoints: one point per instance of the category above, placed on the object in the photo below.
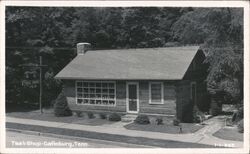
pixel 152 103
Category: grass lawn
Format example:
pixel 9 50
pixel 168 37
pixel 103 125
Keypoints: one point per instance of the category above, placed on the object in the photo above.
pixel 48 115
pixel 229 133
pixel 108 137
pixel 166 128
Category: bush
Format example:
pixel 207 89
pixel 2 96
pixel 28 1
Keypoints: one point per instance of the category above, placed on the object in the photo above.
pixel 197 119
pixel 159 121
pixel 90 115
pixel 241 126
pixel 103 115
pixel 114 117
pixel 176 122
pixel 240 113
pixel 198 116
pixel 61 107
pixel 215 109
pixel 142 119
pixel 79 114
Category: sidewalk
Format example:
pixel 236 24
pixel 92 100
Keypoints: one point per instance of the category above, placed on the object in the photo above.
pixel 203 136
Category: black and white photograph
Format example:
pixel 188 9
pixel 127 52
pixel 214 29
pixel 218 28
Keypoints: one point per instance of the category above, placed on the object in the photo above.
pixel 129 77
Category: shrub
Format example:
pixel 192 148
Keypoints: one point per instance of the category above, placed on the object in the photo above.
pixel 229 122
pixel 241 126
pixel 215 109
pixel 61 107
pixel 90 115
pixel 142 119
pixel 79 113
pixel 176 122
pixel 114 117
pixel 103 115
pixel 240 113
pixel 159 121
pixel 198 116
pixel 197 119
pixel 234 116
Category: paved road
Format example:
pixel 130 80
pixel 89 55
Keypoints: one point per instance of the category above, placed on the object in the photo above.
pixel 20 140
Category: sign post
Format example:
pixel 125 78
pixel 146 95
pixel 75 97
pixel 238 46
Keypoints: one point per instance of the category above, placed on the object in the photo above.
pixel 40 66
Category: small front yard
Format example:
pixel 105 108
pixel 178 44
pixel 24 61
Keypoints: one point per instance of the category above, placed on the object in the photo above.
pixel 229 133
pixel 166 128
pixel 48 115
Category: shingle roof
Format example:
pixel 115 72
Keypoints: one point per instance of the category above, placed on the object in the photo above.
pixel 169 63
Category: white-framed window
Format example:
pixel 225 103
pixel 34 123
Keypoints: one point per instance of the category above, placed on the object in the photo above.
pixel 156 93
pixel 101 93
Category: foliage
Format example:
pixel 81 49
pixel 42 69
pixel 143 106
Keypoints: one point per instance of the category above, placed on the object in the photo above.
pixel 198 116
pixel 215 109
pixel 159 121
pixel 238 115
pixel 220 31
pixel 79 114
pixel 114 117
pixel 241 126
pixel 61 106
pixel 103 116
pixel 176 122
pixel 52 32
pixel 142 119
pixel 90 115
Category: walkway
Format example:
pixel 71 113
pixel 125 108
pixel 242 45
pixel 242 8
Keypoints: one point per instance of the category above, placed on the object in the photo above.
pixel 203 136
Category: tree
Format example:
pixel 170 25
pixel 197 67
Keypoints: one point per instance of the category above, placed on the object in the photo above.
pixel 220 31
pixel 31 32
pixel 61 107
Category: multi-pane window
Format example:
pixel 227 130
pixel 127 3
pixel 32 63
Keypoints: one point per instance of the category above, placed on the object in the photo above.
pixel 95 93
pixel 156 93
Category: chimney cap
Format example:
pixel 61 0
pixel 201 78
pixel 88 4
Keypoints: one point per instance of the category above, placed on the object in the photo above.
pixel 82 47
pixel 83 43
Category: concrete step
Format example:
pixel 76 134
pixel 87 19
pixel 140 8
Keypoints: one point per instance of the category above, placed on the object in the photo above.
pixel 128 117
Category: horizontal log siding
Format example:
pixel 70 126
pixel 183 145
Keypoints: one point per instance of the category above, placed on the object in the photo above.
pixel 183 96
pixel 169 106
pixel 120 98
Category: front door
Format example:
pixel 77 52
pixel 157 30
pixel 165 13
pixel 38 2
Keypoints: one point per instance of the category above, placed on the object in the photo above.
pixel 132 97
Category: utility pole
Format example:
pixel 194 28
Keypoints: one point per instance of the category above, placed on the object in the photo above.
pixel 40 66
pixel 41 84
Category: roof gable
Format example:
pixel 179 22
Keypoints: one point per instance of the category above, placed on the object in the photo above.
pixel 169 63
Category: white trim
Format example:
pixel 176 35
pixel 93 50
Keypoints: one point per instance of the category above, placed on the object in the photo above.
pixel 162 93
pixel 76 97
pixel 127 93
pixel 191 91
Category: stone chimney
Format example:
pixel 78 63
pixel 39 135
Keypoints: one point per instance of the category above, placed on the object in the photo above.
pixel 82 48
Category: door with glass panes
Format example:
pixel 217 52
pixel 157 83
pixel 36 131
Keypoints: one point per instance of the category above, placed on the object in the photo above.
pixel 132 97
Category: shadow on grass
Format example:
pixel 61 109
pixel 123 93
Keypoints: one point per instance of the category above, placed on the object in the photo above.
pixel 18 107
